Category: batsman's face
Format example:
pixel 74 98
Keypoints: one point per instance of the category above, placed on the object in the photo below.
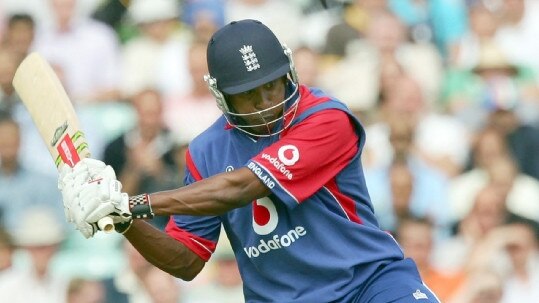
pixel 260 108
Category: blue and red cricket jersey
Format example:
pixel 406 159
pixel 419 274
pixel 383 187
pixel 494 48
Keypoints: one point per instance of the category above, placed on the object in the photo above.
pixel 315 238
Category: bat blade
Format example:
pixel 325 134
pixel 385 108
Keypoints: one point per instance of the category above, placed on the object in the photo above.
pixel 51 110
pixel 53 114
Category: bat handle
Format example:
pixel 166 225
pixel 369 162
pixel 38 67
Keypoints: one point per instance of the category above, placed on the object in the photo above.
pixel 106 224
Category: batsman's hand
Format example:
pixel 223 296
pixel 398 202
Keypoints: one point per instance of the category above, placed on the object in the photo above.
pixel 91 192
pixel 70 183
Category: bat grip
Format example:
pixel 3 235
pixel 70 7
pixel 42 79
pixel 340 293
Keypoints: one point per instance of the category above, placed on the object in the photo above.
pixel 106 224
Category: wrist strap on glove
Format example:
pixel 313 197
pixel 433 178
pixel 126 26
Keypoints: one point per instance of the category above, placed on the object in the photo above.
pixel 141 207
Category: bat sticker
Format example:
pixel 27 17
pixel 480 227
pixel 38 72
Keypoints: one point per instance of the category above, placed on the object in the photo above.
pixel 78 150
pixel 58 133
pixel 67 151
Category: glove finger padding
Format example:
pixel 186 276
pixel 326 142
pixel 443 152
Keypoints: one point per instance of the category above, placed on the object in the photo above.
pixel 85 201
pixel 106 172
pixel 92 165
pixel 105 189
pixel 63 176
pixel 102 198
pixel 117 208
pixel 78 212
pixel 70 182
pixel 101 211
pixel 87 230
pixel 69 188
pixel 85 171
pixel 93 200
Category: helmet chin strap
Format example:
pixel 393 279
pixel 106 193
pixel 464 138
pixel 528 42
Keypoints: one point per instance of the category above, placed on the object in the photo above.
pixel 232 117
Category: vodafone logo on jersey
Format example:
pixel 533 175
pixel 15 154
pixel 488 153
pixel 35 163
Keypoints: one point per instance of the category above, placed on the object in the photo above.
pixel 288 154
pixel 265 220
pixel 265 216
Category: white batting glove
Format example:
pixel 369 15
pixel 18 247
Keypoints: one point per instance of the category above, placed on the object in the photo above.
pixel 71 179
pixel 103 197
pixel 90 192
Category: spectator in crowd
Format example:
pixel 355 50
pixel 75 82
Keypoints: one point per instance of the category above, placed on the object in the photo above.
pixel 9 60
pixel 417 239
pixel 157 57
pixel 494 83
pixel 489 211
pixel 143 157
pixel 521 246
pixel 353 25
pixel 522 139
pixel 39 236
pixel 465 52
pixel 519 25
pixel 511 251
pixel 2 19
pixel 282 16
pixel 410 194
pixel 204 17
pixel 492 163
pixel 523 190
pixel 163 288
pixel 87 52
pixel 481 286
pixel 440 22
pixel 308 65
pixel 223 282
pixel 20 33
pixel 384 53
pixel 187 115
pixel 112 13
pixel 440 140
pixel 85 291
pixel 17 180
pixel 408 186
pixel 7 250
pixel 141 282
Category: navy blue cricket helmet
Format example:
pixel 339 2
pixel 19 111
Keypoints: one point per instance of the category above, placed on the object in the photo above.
pixel 241 56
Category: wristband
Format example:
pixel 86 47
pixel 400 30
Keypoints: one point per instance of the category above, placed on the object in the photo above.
pixel 141 207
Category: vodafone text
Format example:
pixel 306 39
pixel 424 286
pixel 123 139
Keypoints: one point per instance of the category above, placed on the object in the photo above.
pixel 258 171
pixel 277 164
pixel 276 242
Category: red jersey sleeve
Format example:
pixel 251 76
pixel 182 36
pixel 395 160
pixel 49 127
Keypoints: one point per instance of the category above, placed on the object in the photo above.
pixel 311 153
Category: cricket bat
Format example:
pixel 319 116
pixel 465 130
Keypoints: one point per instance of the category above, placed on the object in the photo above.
pixel 53 114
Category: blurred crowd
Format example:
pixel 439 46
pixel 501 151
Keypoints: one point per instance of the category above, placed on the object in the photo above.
pixel 447 90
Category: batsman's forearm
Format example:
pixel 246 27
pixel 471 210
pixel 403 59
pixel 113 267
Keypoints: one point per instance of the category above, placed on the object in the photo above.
pixel 212 196
pixel 163 251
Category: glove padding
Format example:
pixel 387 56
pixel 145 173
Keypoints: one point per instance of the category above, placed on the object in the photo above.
pixel 71 179
pixel 91 192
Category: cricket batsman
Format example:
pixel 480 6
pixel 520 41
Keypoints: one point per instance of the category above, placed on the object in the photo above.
pixel 280 170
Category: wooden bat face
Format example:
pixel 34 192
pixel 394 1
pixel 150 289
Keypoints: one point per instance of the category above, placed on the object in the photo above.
pixel 51 110
pixel 53 114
